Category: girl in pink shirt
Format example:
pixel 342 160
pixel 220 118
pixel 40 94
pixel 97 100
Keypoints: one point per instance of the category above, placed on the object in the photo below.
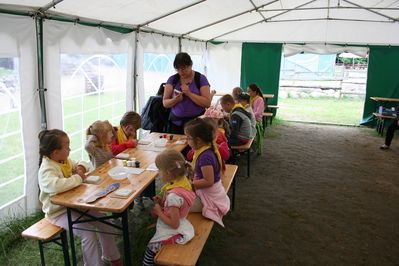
pixel 258 107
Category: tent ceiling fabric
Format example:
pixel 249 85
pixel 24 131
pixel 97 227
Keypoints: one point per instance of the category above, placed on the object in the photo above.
pixel 322 21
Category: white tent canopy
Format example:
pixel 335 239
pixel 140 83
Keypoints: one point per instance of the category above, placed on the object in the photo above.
pixel 316 21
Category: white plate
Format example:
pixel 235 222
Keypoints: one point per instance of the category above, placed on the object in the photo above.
pixel 120 172
pixel 122 156
pixel 144 142
pixel 160 142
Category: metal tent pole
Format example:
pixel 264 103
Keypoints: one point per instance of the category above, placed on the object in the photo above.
pixel 136 41
pixel 40 69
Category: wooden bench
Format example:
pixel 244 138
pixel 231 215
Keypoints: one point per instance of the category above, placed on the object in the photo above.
pixel 44 232
pixel 266 115
pixel 188 254
pixel 381 122
pixel 245 148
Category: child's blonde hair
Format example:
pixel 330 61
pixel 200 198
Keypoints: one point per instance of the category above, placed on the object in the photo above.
pixel 100 130
pixel 131 118
pixel 173 162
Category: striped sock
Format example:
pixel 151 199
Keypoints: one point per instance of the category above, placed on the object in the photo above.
pixel 149 257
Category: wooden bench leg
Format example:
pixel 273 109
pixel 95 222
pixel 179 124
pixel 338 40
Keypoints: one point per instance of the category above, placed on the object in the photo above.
pixel 71 238
pixel 65 250
pixel 41 253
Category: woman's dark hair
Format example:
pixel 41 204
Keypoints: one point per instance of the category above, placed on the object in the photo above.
pixel 256 89
pixel 50 140
pixel 182 60
pixel 161 89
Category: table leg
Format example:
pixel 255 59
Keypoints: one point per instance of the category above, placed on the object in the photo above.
pixel 126 240
pixel 71 238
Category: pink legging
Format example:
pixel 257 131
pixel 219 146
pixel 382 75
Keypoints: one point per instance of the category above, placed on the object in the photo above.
pixel 90 247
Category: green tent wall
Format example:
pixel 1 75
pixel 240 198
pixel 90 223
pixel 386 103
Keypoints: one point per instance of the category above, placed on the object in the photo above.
pixel 382 78
pixel 260 64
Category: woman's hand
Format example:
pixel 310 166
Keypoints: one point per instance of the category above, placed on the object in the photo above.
pixel 178 97
pixel 185 89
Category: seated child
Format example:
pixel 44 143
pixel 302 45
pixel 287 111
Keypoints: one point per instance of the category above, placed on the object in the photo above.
pixel 240 123
pixel 57 174
pixel 212 199
pixel 215 118
pixel 235 92
pixel 243 99
pixel 126 133
pixel 172 205
pixel 98 145
pixel 258 106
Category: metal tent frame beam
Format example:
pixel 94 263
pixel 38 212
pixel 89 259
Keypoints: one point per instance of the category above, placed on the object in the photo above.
pixel 170 13
pixel 228 18
pixel 372 11
pixel 263 20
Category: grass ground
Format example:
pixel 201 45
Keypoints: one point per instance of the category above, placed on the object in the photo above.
pixel 344 111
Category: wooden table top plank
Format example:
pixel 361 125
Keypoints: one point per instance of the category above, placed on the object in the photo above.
pixel 384 116
pixel 265 95
pixel 383 99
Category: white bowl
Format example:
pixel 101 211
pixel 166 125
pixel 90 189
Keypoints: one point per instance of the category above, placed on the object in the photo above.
pixel 120 172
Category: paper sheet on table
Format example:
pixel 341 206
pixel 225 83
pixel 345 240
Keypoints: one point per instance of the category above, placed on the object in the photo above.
pixel 150 147
pixel 152 167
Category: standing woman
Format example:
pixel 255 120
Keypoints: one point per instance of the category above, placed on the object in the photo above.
pixel 187 93
pixel 258 106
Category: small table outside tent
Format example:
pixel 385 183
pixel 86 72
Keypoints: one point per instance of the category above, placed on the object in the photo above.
pixel 118 207
pixel 381 119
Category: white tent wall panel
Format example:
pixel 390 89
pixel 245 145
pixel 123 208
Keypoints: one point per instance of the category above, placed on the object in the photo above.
pixel 224 66
pixel 65 37
pixel 195 48
pixel 22 44
pixel 151 43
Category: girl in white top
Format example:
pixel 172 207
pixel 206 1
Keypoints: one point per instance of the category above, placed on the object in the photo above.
pixel 172 205
pixel 58 173
pixel 98 145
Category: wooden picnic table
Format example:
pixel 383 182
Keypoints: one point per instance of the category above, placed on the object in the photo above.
pixel 74 199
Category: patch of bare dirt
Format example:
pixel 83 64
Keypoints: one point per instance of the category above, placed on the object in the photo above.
pixel 319 195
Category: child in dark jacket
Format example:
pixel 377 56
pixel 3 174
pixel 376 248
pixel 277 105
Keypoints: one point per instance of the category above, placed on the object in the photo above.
pixel 240 121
